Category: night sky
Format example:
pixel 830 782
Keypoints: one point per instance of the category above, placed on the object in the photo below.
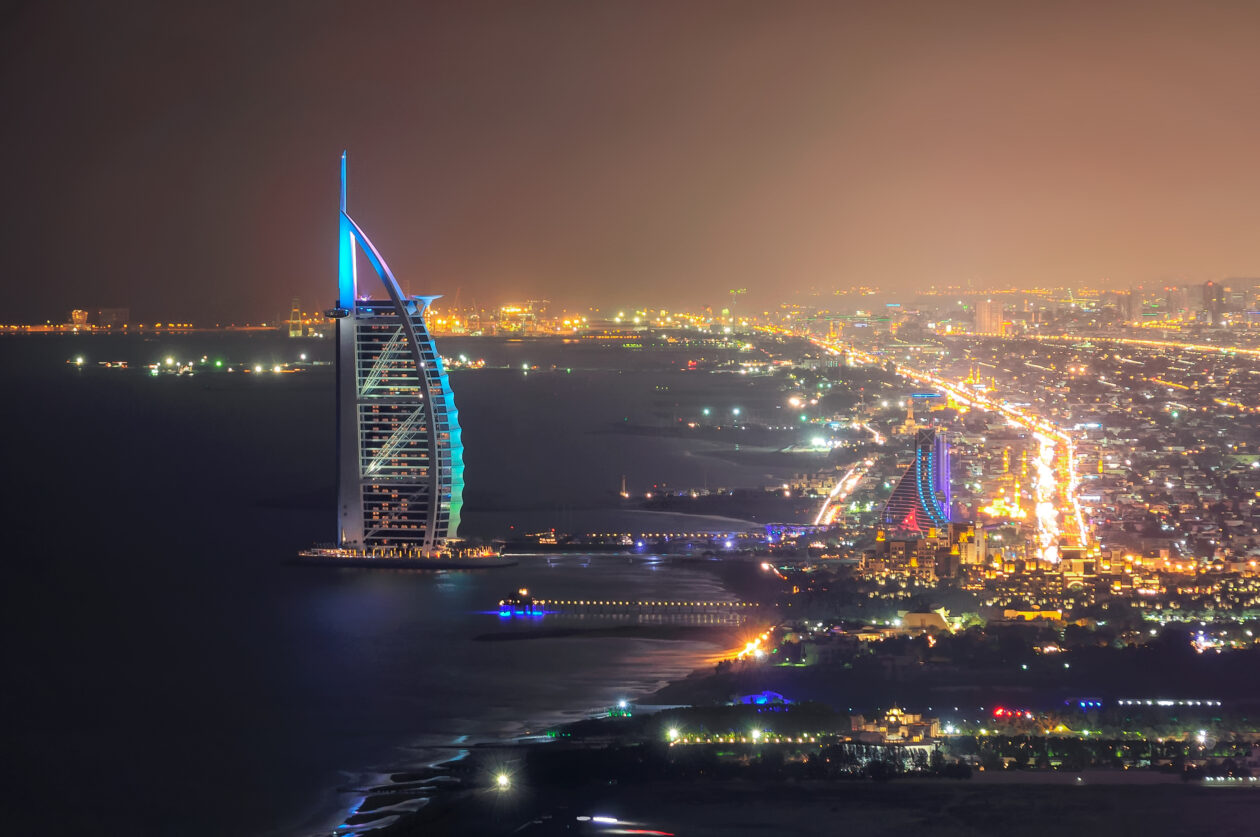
pixel 181 159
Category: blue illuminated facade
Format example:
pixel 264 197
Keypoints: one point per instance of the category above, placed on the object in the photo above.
pixel 921 500
pixel 400 451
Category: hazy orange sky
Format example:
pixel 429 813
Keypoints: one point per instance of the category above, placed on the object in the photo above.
pixel 183 161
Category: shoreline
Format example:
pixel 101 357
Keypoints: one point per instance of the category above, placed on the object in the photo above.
pixel 406 795
pixel 1097 802
pixel 453 810
pixel 413 799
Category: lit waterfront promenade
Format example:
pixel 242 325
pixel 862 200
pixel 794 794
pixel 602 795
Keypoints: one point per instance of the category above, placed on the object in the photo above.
pixel 580 606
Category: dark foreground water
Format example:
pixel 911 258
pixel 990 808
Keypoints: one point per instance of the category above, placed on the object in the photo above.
pixel 169 675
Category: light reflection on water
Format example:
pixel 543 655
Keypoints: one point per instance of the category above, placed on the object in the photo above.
pixel 171 655
pixel 402 645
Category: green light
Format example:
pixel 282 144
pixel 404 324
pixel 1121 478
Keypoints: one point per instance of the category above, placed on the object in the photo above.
pixel 803 417
pixel 218 363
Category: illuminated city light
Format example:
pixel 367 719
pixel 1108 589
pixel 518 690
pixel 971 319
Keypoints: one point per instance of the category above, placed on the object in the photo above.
pixel 1051 493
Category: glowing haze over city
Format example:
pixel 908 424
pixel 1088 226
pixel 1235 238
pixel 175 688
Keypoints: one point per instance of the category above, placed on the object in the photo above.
pixel 632 417
pixel 627 153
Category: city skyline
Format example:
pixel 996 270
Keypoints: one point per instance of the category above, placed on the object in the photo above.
pixel 678 152
pixel 847 392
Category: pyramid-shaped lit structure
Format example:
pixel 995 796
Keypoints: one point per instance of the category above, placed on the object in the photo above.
pixel 920 502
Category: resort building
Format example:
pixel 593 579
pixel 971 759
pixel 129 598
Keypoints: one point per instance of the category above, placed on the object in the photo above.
pixel 400 456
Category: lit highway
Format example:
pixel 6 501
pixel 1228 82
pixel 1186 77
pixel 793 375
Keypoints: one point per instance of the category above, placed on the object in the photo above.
pixel 1168 345
pixel 1056 481
pixel 843 488
pixel 1136 341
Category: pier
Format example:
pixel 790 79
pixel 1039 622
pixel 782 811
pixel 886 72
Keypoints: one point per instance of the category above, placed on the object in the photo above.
pixel 528 605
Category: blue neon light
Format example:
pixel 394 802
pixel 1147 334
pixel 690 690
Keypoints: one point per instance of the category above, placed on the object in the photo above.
pixel 933 507
pixel 346 279
pixel 448 455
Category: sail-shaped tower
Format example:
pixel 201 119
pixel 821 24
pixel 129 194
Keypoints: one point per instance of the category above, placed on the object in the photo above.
pixel 400 457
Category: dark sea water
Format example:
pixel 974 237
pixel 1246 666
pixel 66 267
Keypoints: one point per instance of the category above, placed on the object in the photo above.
pixel 170 675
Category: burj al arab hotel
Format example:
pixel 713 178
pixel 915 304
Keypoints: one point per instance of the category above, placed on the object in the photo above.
pixel 400 459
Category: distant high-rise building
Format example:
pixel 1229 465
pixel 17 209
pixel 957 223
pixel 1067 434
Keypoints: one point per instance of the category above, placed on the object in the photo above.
pixel 400 455
pixel 989 316
pixel 1213 302
pixel 295 320
pixel 78 317
pixel 921 499
pixel 1178 302
pixel 1131 305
